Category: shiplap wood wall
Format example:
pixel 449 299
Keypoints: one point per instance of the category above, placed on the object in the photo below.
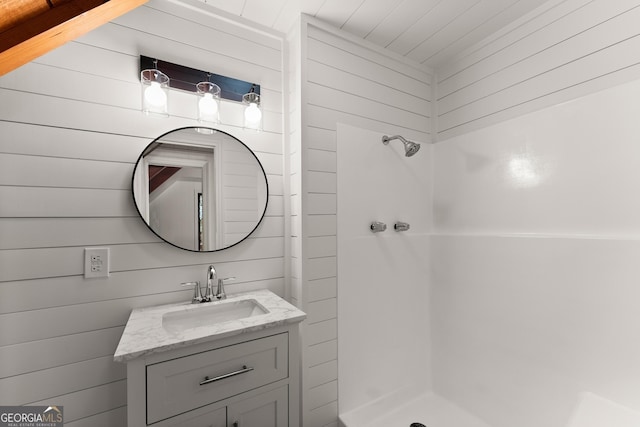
pixel 293 55
pixel 341 80
pixel 244 201
pixel 70 133
pixel 294 145
pixel 562 50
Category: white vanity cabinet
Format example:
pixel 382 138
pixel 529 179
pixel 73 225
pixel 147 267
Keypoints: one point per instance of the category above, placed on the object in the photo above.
pixel 230 363
pixel 245 381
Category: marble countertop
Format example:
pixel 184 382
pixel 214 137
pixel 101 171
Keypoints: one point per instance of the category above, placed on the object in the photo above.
pixel 144 334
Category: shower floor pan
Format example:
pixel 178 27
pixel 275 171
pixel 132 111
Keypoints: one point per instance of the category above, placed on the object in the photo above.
pixel 428 409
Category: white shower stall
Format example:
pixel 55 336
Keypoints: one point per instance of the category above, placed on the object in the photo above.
pixel 513 299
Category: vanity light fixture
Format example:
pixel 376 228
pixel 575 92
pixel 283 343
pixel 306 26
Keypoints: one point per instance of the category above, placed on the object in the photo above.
pixel 209 93
pixel 252 112
pixel 155 91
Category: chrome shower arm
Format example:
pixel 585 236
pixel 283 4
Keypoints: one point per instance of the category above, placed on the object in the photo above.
pixel 386 139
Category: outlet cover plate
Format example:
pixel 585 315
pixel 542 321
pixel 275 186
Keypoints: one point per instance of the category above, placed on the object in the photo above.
pixel 96 262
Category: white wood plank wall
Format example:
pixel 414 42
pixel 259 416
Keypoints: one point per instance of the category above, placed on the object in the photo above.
pixel 343 80
pixel 243 204
pixel 70 133
pixel 560 51
pixel 293 46
pixel 293 55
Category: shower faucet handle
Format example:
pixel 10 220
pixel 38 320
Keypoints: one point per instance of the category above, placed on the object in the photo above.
pixel 377 226
pixel 401 226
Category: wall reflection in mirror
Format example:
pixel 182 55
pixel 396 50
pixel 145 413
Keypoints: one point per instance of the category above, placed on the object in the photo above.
pixel 200 189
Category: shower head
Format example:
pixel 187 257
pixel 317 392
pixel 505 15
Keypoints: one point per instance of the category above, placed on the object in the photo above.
pixel 410 148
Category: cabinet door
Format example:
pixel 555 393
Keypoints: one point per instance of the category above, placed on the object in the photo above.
pixel 217 418
pixel 269 409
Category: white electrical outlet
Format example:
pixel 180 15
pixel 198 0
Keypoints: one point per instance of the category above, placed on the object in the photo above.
pixel 96 262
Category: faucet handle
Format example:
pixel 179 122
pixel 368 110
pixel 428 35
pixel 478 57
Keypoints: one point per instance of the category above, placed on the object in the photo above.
pixel 220 293
pixel 401 226
pixel 378 227
pixel 197 293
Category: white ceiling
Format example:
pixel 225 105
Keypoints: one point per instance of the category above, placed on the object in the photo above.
pixel 427 31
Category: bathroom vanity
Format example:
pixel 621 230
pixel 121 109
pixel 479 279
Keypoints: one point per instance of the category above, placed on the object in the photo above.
pixel 228 363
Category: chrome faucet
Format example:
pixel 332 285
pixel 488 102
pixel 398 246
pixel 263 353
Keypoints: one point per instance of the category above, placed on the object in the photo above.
pixel 212 277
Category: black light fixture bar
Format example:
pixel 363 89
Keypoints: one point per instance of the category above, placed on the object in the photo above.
pixel 185 78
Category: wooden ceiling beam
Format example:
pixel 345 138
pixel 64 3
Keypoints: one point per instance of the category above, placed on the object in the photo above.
pixel 15 12
pixel 46 31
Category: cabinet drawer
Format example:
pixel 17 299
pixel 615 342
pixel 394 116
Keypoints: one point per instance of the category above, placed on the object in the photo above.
pixel 186 383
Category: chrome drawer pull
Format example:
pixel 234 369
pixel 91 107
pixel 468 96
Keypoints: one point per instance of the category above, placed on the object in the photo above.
pixel 208 380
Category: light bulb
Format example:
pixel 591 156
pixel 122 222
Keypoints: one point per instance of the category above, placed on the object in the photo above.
pixel 252 114
pixel 155 96
pixel 208 106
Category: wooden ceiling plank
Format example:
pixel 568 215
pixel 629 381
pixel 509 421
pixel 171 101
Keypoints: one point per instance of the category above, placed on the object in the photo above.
pixel 49 30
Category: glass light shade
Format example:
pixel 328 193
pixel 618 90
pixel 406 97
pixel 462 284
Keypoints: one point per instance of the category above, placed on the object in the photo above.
pixel 208 102
pixel 155 93
pixel 252 113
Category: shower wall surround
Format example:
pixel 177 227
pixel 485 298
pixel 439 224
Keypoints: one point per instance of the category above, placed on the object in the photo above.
pixel 383 278
pixel 535 262
pixel 537 219
pixel 67 152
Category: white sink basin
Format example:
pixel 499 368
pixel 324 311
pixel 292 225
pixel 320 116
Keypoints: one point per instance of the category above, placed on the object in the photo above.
pixel 208 314
pixel 155 329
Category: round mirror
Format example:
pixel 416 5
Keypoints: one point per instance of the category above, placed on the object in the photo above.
pixel 200 189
